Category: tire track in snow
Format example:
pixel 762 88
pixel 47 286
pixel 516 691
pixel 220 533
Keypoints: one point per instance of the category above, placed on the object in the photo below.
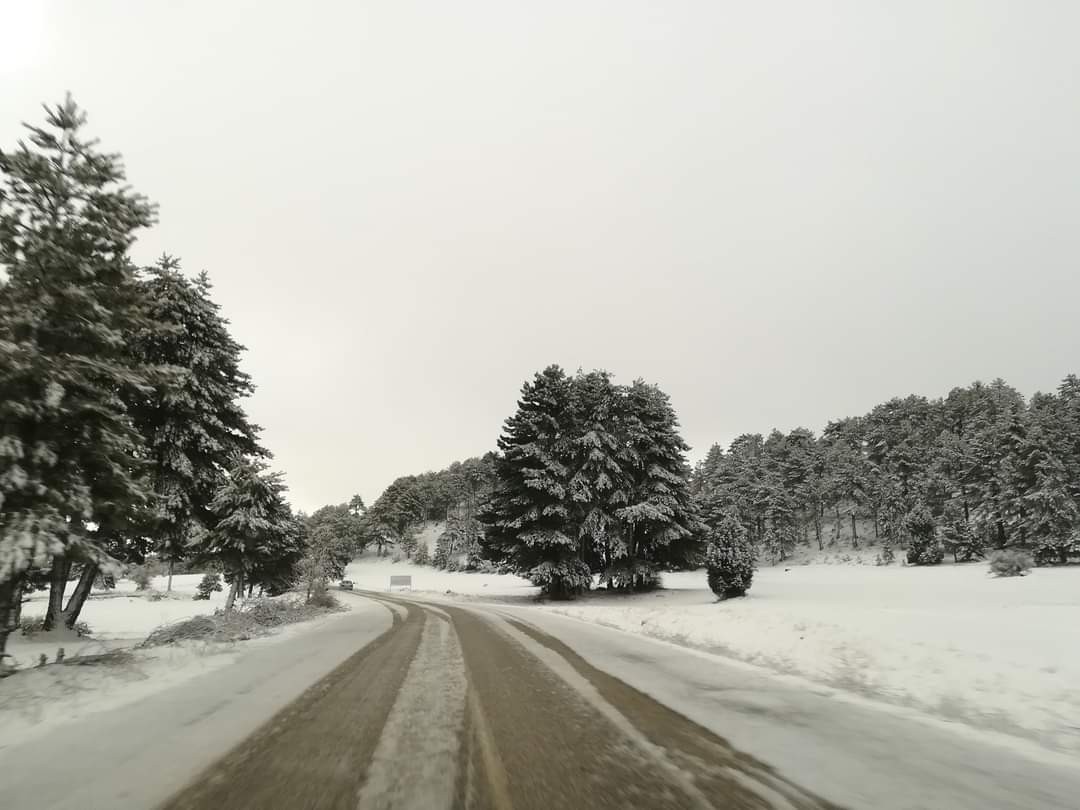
pixel 415 765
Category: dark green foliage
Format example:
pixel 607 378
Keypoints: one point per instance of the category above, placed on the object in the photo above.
pixel 192 420
pixel 255 538
pixel 960 537
pixel 395 516
pixel 924 548
pixel 528 517
pixel 1011 562
pixel 210 583
pixel 592 478
pixel 729 555
pixel 69 452
pixel 628 573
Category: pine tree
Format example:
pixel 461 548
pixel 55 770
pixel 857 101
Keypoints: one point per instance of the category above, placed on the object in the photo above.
pixel 527 518
pixel 729 555
pixel 255 537
pixel 396 513
pixel 193 423
pixel 69 454
pixel 599 478
pixel 1047 514
pixel 660 523
pixel 959 537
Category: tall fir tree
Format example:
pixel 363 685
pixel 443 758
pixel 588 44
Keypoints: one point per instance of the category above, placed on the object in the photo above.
pixel 69 453
pixel 193 423
pixel 528 516
pixel 660 523
pixel 255 537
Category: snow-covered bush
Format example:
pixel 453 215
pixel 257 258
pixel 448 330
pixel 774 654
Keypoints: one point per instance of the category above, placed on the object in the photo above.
pixel 924 547
pixel 1011 562
pixel 141 575
pixel 729 558
pixel 562 579
pixel 210 583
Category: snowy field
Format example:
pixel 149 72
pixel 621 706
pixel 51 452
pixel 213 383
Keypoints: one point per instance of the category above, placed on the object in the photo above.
pixel 949 641
pixel 371 573
pixel 34 701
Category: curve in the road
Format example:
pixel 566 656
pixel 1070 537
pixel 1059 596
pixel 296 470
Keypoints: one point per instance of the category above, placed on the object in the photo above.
pixel 454 708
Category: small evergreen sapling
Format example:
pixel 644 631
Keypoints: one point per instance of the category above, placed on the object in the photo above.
pixel 210 583
pixel 924 548
pixel 1011 563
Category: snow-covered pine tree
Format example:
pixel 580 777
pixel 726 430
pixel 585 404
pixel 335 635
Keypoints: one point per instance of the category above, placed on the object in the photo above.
pixel 69 454
pixel 193 422
pixel 527 518
pixel 924 548
pixel 960 538
pixel 729 553
pixel 255 537
pixel 600 478
pixel 1048 517
pixel 395 515
pixel 659 523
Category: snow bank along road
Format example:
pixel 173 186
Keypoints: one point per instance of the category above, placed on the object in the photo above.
pixel 438 706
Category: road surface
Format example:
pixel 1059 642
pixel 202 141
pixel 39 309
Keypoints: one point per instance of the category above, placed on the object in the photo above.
pixel 446 706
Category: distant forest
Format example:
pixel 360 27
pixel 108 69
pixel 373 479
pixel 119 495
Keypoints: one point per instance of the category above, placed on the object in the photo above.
pixel 992 470
pixel 985 468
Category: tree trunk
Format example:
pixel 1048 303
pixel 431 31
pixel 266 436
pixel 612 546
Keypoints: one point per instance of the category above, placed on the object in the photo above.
pixel 79 595
pixel 836 526
pixel 10 593
pixel 854 531
pixel 168 588
pixel 61 567
pixel 16 605
pixel 231 598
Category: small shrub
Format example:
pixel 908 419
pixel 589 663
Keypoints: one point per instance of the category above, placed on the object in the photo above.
pixel 421 556
pixel 397 557
pixel 210 583
pixel 321 597
pixel 141 575
pixel 1010 563
pixel 30 626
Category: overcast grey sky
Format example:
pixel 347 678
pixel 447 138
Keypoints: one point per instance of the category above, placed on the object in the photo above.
pixel 779 212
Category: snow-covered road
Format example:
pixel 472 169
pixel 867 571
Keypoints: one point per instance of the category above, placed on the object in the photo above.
pixel 430 704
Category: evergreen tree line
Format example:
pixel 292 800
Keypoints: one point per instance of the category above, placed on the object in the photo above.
pixel 452 495
pixel 979 469
pixel 122 431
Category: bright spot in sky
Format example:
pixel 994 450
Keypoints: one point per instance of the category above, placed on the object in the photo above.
pixel 22 27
